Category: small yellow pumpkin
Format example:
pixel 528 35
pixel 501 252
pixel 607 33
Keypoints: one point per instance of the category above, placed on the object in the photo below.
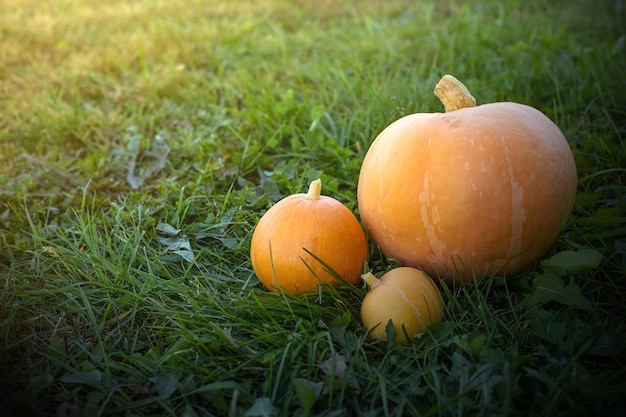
pixel 405 296
pixel 474 191
pixel 297 230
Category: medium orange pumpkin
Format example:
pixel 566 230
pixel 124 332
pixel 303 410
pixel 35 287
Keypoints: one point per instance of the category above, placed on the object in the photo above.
pixel 300 225
pixel 474 191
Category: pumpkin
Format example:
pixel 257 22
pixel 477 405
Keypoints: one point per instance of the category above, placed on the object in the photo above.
pixel 304 239
pixel 405 296
pixel 472 192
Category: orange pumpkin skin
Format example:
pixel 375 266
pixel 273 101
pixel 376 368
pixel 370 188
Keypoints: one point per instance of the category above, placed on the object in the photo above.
pixel 322 225
pixel 468 193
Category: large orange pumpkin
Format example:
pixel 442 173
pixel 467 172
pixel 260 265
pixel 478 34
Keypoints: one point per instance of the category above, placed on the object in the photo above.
pixel 303 235
pixel 474 191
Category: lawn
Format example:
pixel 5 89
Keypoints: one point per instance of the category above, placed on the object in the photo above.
pixel 141 142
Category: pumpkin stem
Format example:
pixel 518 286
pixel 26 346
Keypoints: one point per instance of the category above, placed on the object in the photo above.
pixel 371 280
pixel 315 190
pixel 453 94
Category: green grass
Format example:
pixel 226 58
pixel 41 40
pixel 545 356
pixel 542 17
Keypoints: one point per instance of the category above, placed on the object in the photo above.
pixel 140 142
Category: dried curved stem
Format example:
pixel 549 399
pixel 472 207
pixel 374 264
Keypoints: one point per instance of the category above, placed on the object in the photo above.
pixel 453 94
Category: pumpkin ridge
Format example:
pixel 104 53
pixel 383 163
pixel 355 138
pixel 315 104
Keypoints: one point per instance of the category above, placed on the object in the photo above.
pixel 416 310
pixel 518 213
pixel 436 245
